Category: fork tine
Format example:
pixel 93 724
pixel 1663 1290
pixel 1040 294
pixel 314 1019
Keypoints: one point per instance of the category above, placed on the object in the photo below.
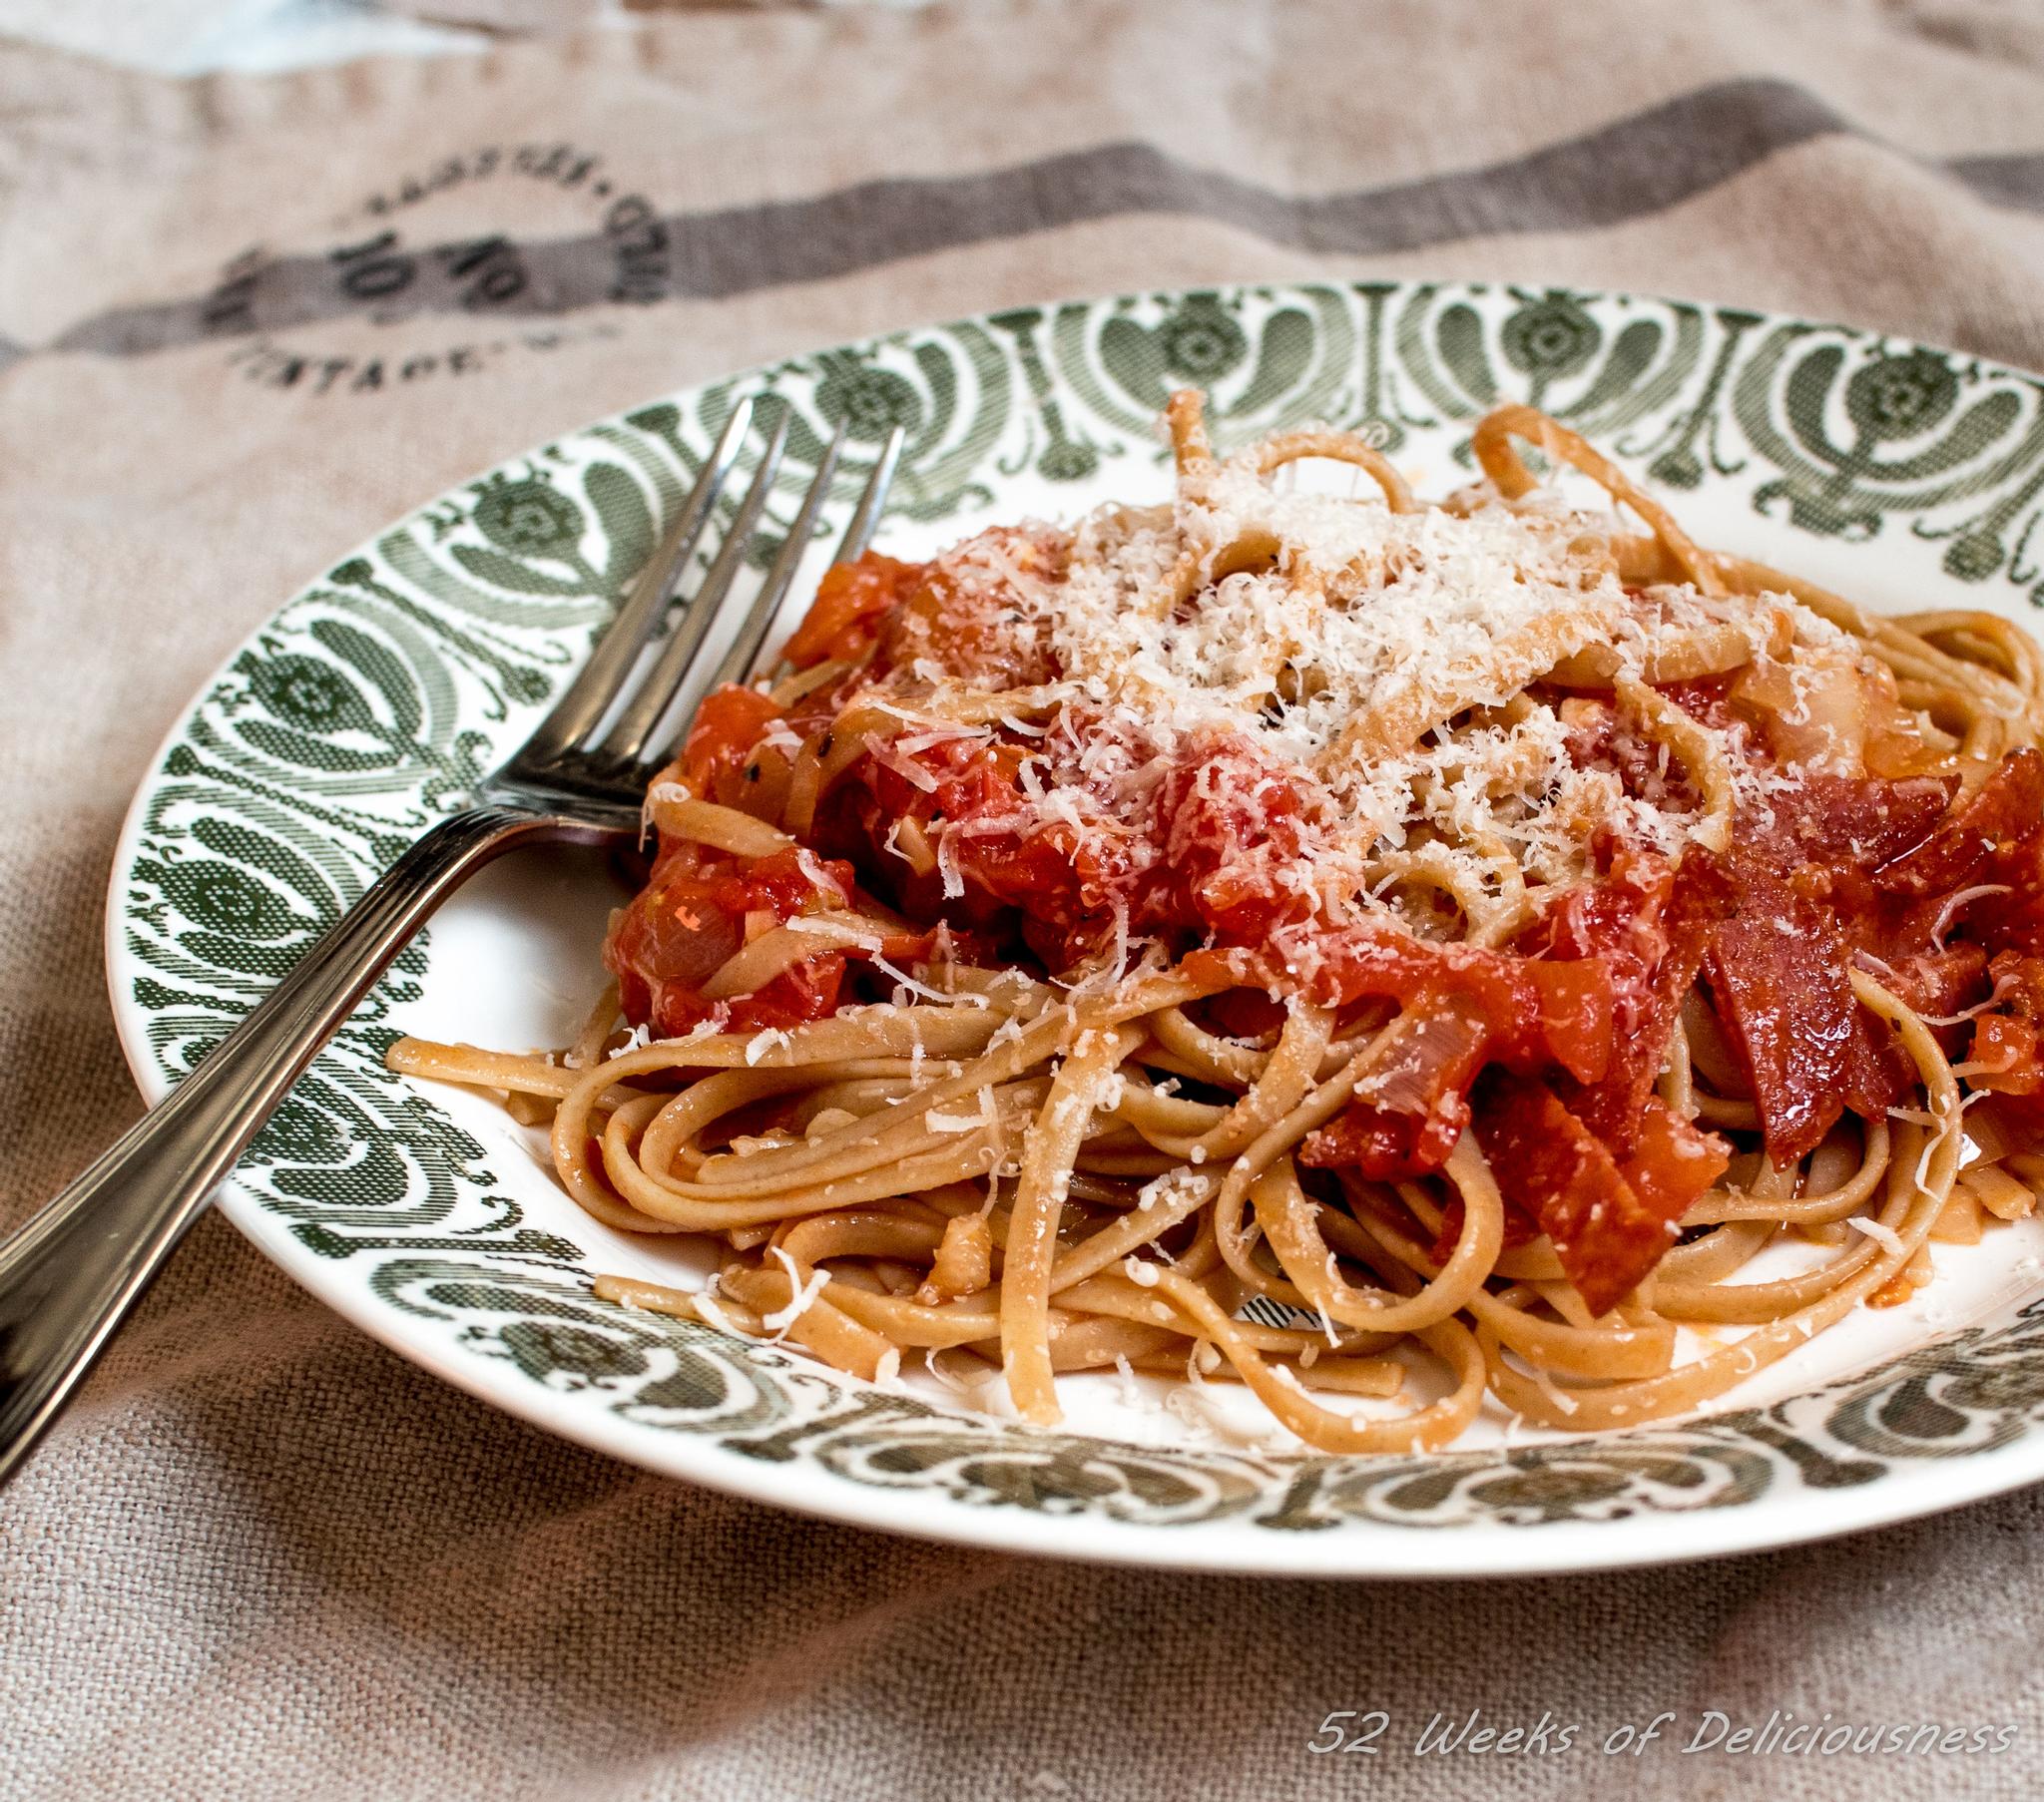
pixel 859 533
pixel 670 673
pixel 588 697
pixel 751 634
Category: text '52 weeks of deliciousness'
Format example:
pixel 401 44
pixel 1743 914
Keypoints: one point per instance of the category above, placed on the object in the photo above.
pixel 1782 1733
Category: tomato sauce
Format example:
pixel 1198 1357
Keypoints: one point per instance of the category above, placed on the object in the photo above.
pixel 1551 1046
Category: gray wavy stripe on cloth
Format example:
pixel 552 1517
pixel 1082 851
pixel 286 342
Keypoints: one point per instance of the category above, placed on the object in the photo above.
pixel 1641 163
pixel 264 1558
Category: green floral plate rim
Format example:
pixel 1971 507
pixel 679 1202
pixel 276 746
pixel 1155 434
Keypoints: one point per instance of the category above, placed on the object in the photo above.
pixel 367 705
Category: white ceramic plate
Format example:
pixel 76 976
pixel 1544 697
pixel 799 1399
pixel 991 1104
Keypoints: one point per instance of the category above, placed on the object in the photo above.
pixel 361 713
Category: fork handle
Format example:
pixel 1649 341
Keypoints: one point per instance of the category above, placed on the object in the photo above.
pixel 68 1277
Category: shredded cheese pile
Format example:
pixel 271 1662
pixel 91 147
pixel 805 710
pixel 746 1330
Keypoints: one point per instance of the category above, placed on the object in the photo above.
pixel 1378 659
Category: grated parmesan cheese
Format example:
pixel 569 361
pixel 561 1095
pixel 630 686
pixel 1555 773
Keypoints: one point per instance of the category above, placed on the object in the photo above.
pixel 770 1039
pixel 802 1298
pixel 1374 663
pixel 1883 1235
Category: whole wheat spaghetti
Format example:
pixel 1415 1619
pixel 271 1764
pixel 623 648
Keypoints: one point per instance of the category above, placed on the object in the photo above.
pixel 1348 945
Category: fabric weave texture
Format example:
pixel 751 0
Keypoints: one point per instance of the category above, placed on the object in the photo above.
pixel 263 1556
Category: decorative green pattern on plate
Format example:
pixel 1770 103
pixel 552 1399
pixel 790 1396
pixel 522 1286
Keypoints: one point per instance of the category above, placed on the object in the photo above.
pixel 372 702
pixel 1971 1394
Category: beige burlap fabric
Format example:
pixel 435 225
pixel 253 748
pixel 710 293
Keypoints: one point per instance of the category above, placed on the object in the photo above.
pixel 263 1557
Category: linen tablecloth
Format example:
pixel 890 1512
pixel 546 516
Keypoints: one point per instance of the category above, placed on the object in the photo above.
pixel 263 1557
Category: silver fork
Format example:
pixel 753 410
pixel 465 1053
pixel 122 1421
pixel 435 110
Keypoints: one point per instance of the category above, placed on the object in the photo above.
pixel 71 1274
